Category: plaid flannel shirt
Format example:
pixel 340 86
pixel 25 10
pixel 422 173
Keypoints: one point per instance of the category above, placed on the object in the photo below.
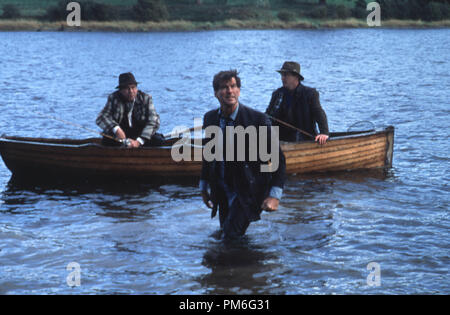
pixel 116 109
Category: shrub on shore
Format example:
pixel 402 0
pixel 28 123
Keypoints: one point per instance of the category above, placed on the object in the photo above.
pixel 286 16
pixel 10 11
pixel 415 9
pixel 150 10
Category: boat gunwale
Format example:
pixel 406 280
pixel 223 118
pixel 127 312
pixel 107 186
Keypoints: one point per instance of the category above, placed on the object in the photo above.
pixel 59 142
pixel 18 140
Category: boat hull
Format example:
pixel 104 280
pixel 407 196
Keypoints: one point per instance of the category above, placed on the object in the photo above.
pixel 374 150
pixel 88 158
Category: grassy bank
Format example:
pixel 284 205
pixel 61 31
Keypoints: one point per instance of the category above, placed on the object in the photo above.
pixel 180 25
pixel 189 15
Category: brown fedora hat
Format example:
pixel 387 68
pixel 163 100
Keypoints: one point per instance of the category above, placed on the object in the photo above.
pixel 292 67
pixel 126 79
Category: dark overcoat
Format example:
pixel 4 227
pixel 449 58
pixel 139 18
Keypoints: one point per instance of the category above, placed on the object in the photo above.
pixel 245 177
pixel 304 113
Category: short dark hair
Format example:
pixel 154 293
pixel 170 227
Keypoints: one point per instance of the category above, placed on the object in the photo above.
pixel 225 76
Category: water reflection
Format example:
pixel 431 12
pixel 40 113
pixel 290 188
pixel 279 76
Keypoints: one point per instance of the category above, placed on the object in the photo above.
pixel 352 176
pixel 109 197
pixel 238 267
pixel 112 185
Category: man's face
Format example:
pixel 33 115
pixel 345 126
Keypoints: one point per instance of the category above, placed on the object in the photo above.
pixel 129 92
pixel 228 95
pixel 290 80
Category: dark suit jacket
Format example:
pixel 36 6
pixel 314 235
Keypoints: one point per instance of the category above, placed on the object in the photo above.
pixel 304 113
pixel 251 185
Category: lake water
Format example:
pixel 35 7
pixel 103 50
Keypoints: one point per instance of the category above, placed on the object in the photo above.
pixel 157 239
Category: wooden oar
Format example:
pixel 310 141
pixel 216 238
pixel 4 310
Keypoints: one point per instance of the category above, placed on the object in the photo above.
pixel 290 126
pixel 183 131
pixel 271 117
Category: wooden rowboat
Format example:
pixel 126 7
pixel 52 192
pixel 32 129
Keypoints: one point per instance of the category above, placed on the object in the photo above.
pixel 88 158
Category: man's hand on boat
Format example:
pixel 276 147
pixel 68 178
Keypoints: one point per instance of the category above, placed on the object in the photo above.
pixel 130 143
pixel 322 139
pixel 133 143
pixel 120 134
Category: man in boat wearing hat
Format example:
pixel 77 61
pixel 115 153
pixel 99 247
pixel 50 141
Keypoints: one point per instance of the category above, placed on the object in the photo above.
pixel 239 188
pixel 129 114
pixel 297 106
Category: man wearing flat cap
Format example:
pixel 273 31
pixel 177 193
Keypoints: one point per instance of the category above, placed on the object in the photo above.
pixel 298 106
pixel 129 114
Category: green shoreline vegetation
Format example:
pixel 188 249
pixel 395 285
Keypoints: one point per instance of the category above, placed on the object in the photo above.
pixel 193 15
pixel 180 25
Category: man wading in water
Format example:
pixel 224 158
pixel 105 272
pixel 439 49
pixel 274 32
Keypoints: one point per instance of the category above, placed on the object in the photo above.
pixel 239 189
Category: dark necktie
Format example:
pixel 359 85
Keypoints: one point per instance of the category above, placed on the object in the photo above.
pixel 227 142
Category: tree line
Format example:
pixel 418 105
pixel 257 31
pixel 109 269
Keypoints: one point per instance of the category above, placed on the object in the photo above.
pixel 143 10
pixel 198 10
